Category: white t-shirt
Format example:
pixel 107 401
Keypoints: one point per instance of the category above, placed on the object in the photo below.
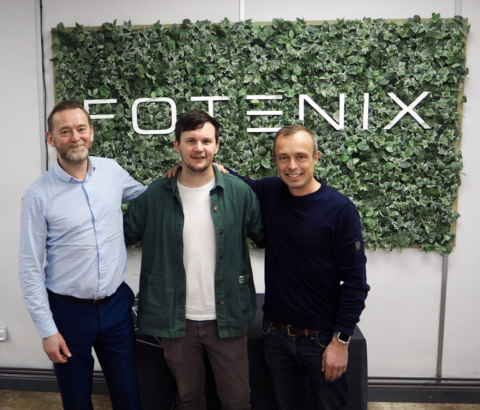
pixel 199 251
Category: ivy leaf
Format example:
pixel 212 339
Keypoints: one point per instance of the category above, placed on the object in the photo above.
pixel 108 26
pixel 265 163
pixel 363 146
pixel 351 163
pixel 200 80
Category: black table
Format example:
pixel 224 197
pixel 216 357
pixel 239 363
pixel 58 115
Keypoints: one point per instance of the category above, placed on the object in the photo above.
pixel 158 388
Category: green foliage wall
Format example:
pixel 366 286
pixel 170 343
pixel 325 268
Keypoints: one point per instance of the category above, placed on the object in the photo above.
pixel 403 180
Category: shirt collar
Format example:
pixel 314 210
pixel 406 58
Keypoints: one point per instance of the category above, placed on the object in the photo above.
pixel 67 177
pixel 172 183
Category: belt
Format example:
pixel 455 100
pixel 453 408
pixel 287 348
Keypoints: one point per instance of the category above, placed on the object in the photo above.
pixel 73 299
pixel 292 331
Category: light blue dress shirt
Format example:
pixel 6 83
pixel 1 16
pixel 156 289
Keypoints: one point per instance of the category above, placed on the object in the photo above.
pixel 80 226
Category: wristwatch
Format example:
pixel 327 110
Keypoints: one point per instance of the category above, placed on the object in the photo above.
pixel 342 338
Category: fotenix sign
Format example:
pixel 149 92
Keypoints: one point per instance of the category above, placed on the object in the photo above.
pixel 303 98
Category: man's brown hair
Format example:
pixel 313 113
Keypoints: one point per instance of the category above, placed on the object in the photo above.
pixel 62 106
pixel 193 120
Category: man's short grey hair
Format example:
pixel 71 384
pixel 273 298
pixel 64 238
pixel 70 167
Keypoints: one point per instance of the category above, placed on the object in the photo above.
pixel 293 129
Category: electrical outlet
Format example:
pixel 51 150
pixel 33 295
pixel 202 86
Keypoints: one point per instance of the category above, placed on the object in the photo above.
pixel 3 333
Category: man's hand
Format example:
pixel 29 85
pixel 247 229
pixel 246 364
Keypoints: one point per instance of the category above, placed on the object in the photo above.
pixel 221 168
pixel 171 173
pixel 335 359
pixel 56 348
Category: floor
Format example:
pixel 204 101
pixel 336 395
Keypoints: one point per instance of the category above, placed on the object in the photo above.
pixel 21 400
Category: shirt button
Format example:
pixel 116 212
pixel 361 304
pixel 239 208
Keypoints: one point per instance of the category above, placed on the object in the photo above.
pixel 220 231
pixel 220 280
pixel 221 256
pixel 221 303
pixel 215 208
pixel 96 226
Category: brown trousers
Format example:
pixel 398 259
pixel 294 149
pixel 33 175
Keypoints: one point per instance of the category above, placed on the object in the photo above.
pixel 227 356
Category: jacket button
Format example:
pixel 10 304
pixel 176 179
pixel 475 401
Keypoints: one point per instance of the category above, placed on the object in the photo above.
pixel 220 231
pixel 215 208
pixel 220 281
pixel 220 256
pixel 221 303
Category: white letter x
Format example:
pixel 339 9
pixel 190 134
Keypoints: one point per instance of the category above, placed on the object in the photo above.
pixel 408 109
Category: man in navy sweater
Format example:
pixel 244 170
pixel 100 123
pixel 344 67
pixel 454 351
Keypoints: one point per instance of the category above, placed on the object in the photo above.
pixel 315 278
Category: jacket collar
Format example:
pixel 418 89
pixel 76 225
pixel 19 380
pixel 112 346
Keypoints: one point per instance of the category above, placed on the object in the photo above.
pixel 172 183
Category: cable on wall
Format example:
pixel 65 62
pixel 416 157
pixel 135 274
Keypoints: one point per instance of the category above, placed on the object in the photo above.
pixel 44 87
pixel 458 8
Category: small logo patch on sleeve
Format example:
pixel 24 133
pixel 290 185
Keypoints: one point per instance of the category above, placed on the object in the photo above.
pixel 241 279
pixel 358 246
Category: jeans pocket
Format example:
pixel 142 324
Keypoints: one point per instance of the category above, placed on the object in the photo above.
pixel 324 339
pixel 267 326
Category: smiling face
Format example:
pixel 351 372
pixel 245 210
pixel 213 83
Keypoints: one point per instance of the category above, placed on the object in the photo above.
pixel 71 135
pixel 197 148
pixel 295 160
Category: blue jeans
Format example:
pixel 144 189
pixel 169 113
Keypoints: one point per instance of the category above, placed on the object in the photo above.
pixel 295 365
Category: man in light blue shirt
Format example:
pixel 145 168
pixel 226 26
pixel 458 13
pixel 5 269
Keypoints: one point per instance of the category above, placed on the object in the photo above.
pixel 79 300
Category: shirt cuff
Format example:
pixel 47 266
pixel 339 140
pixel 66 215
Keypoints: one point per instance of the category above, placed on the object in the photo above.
pixel 47 328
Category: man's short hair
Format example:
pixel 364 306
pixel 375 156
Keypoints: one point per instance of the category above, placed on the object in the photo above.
pixel 62 106
pixel 293 129
pixel 193 120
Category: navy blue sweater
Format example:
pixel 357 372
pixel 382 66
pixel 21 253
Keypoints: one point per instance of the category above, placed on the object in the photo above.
pixel 315 274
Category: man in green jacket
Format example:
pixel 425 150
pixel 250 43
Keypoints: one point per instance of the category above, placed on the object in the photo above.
pixel 196 283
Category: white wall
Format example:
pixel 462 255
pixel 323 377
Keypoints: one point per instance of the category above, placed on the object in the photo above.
pixel 20 165
pixel 402 315
pixel 461 354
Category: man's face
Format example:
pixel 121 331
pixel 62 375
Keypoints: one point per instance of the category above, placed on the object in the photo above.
pixel 295 162
pixel 72 136
pixel 198 147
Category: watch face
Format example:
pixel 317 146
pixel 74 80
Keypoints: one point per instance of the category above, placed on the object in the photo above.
pixel 344 338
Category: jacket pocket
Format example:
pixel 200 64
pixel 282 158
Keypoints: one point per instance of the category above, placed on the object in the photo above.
pixel 244 294
pixel 150 299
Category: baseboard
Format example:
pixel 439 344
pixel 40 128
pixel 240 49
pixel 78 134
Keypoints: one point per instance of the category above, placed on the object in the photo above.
pixel 424 390
pixel 380 389
pixel 43 380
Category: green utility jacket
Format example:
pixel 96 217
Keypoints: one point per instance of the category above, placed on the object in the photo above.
pixel 156 217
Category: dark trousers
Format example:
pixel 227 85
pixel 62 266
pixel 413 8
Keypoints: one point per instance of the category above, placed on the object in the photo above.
pixel 295 365
pixel 108 328
pixel 229 361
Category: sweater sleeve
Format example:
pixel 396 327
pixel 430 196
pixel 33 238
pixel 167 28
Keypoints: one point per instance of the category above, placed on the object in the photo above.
pixel 252 183
pixel 350 259
pixel 254 220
